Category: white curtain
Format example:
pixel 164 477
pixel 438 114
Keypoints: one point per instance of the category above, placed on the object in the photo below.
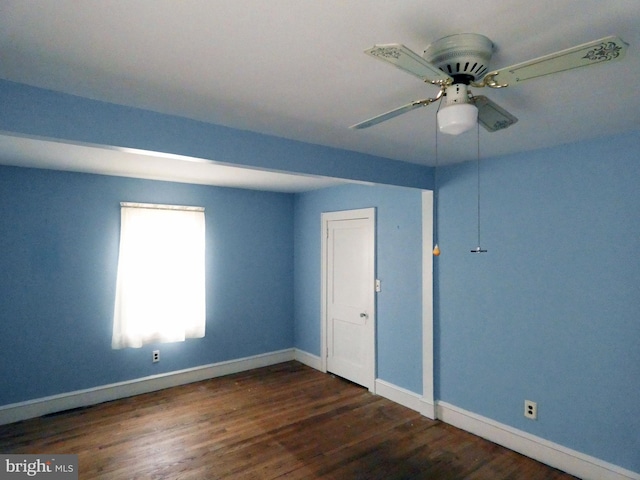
pixel 160 290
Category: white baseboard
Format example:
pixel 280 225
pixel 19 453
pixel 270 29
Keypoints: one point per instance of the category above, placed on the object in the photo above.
pixel 307 359
pixel 553 454
pixel 406 398
pixel 104 393
pixel 429 409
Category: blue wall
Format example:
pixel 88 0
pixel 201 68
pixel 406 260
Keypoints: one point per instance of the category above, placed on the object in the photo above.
pixel 551 313
pixel 59 245
pixel 399 267
pixel 59 235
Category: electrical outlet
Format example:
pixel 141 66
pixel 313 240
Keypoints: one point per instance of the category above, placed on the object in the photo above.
pixel 156 356
pixel 530 409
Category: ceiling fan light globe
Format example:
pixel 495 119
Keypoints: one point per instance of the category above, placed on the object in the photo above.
pixel 457 118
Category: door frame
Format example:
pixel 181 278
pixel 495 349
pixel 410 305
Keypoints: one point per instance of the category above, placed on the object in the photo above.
pixel 326 217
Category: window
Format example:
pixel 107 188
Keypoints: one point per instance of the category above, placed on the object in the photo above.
pixel 160 289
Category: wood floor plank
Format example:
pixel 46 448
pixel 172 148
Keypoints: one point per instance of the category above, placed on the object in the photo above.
pixel 285 421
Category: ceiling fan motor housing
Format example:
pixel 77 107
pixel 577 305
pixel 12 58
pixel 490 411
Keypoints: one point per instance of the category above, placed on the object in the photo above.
pixel 457 93
pixel 464 56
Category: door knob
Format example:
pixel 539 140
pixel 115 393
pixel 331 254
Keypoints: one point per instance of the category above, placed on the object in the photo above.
pixel 364 315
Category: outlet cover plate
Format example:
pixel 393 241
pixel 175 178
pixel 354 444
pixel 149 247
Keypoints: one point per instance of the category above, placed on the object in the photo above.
pixel 530 409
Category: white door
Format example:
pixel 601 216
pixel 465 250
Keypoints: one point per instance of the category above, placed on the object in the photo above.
pixel 349 295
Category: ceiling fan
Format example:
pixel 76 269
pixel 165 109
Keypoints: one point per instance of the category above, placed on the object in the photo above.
pixel 457 62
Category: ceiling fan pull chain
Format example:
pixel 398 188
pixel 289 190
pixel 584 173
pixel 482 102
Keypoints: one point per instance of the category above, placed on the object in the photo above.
pixel 436 248
pixel 478 249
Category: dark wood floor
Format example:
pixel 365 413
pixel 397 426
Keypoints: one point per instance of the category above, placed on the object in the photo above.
pixel 285 421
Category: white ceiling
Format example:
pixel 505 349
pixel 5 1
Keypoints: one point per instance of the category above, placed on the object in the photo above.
pixel 296 69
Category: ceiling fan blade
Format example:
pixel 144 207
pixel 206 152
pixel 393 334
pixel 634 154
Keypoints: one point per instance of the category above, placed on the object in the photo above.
pixel 401 57
pixel 597 51
pixel 492 116
pixel 393 113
